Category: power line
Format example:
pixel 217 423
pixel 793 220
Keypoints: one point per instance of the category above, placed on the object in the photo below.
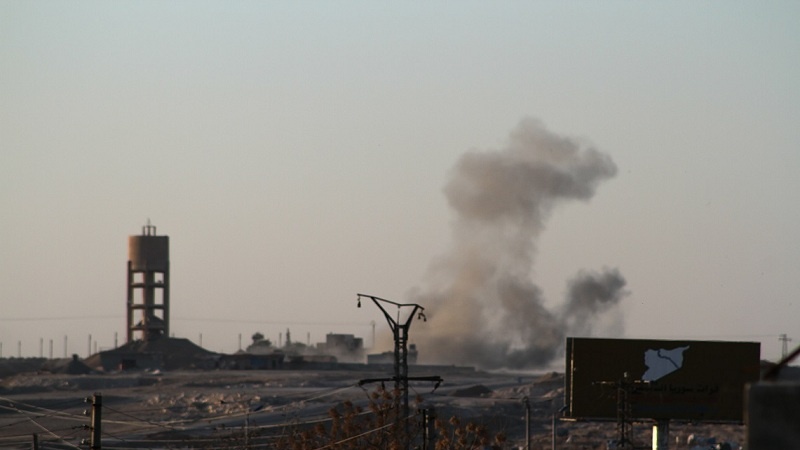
pixel 36 319
pixel 187 319
pixel 139 421
pixel 48 431
pixel 53 413
pixel 120 439
pixel 784 344
pixel 333 444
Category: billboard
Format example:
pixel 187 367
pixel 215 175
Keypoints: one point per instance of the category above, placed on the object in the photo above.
pixel 681 380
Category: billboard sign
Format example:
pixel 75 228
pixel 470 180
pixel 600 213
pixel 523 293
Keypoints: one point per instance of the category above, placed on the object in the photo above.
pixel 659 379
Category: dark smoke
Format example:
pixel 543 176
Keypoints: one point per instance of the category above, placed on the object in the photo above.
pixel 590 294
pixel 483 308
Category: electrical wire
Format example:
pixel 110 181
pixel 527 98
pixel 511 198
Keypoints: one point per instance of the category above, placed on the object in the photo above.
pixel 53 413
pixel 165 425
pixel 106 433
pixel 208 423
pixel 272 409
pixel 59 438
pixel 333 444
pixel 253 445
pixel 32 416
pixel 181 319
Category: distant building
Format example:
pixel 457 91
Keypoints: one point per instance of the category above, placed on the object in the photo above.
pixel 388 357
pixel 260 346
pixel 247 361
pixel 345 347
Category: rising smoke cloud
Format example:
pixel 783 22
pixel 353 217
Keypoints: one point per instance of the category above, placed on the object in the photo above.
pixel 482 305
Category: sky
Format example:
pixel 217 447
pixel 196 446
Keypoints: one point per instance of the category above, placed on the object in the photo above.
pixel 299 153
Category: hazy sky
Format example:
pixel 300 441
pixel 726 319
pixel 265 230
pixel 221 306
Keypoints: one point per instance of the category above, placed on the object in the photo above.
pixel 296 154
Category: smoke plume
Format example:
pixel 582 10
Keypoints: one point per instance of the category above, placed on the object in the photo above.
pixel 482 306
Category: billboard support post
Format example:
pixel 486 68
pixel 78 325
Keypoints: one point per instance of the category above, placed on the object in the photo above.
pixel 661 435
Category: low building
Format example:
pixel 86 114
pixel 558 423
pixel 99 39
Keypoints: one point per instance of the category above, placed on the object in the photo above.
pixel 388 357
pixel 248 361
pixel 345 347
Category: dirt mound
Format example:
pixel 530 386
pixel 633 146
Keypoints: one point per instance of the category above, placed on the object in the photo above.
pixel 172 346
pixel 550 377
pixel 72 366
pixel 163 353
pixel 13 366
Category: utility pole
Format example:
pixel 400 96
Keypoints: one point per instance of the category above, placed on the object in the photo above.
pixel 401 378
pixel 624 413
pixel 247 429
pixel 97 406
pixel 428 427
pixel 527 422
pixel 784 345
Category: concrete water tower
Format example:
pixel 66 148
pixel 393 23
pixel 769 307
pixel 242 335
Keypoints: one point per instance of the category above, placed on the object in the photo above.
pixel 148 285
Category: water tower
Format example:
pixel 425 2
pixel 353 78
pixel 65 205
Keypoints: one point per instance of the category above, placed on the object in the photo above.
pixel 148 285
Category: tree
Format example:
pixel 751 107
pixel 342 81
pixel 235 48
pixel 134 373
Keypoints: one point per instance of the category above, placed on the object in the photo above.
pixel 258 339
pixel 353 428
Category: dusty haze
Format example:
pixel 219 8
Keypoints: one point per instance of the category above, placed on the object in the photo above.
pixel 484 308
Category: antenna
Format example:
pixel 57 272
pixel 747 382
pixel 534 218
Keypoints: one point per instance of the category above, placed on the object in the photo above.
pixel 149 229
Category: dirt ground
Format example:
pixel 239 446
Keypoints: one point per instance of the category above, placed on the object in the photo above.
pixel 247 409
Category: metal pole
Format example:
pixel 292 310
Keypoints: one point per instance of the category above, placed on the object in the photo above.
pixel 425 435
pixel 400 331
pixel 661 435
pixel 560 411
pixel 428 427
pixel 97 405
pixel 527 422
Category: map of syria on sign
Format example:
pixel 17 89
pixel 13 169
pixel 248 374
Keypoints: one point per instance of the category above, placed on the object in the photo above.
pixel 666 379
pixel 662 362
